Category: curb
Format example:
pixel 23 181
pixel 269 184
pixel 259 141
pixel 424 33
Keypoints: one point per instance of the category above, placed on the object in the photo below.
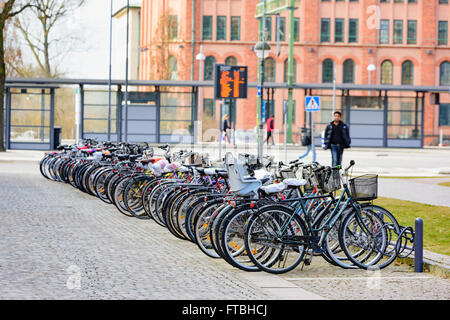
pixel 439 269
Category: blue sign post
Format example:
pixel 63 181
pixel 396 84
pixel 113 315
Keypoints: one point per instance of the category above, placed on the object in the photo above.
pixel 312 104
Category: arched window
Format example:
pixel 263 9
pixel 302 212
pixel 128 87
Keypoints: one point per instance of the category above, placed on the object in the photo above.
pixel 445 74
pixel 286 69
pixel 327 71
pixel 349 71
pixel 173 68
pixel 270 70
pixel 208 74
pixel 387 72
pixel 407 72
pixel 231 61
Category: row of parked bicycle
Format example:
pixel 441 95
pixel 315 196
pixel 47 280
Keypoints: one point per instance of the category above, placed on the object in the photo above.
pixel 256 216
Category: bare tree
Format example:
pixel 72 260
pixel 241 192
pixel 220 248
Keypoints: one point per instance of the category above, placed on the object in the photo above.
pixel 9 9
pixel 167 64
pixel 13 51
pixel 47 48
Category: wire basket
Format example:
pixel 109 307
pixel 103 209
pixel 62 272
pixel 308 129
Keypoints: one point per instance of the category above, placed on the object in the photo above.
pixel 365 187
pixel 287 174
pixel 306 174
pixel 333 181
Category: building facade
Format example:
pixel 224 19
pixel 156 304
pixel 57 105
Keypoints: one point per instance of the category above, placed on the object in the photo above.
pixel 362 42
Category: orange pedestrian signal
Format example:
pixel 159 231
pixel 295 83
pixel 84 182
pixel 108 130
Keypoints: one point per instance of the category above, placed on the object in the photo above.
pixel 230 82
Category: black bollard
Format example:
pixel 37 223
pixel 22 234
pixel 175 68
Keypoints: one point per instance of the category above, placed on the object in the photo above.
pixel 418 246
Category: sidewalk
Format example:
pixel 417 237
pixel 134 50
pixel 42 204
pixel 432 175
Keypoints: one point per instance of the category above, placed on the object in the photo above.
pixel 417 190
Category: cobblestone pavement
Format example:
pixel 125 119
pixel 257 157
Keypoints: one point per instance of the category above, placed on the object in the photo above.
pixel 58 243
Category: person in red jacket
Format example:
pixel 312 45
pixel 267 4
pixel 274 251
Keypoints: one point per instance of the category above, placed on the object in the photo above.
pixel 270 127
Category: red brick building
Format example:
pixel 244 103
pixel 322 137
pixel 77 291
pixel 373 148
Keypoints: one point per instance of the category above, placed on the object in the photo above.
pixel 406 40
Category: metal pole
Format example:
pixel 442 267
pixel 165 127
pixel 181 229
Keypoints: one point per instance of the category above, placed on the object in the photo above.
pixel 418 246
pixel 290 71
pixel 200 58
pixel 221 130
pixel 77 115
pixel 110 71
pixel 285 133
pixel 313 145
pixel 334 87
pixel 261 98
pixel 126 75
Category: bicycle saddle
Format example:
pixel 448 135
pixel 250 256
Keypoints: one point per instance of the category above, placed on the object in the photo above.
pixel 134 157
pixel 122 157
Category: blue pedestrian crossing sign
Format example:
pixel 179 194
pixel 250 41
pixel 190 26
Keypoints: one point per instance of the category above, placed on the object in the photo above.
pixel 312 103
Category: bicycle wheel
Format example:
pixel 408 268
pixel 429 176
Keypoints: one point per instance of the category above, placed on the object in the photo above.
pixel 363 238
pixel 201 230
pixel 275 239
pixel 395 243
pixel 118 195
pixel 133 196
pixel 232 239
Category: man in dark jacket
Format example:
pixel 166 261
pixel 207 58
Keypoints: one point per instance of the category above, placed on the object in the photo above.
pixel 337 138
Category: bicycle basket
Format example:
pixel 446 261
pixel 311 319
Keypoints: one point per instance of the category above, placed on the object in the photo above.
pixel 286 174
pixel 333 182
pixel 364 188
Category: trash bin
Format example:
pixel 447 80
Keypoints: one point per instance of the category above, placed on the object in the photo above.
pixel 306 136
pixel 57 137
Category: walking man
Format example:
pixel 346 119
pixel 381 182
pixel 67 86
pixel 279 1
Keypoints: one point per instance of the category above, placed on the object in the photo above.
pixel 270 129
pixel 337 138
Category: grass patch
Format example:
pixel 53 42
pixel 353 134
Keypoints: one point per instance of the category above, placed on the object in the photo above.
pixel 436 221
pixel 445 184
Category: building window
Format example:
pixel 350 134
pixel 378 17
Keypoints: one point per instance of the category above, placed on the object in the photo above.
pixel 444 114
pixel 398 31
pixel 231 61
pixel 327 71
pixel 353 31
pixel 221 28
pixel 349 71
pixel 384 31
pixel 207 27
pixel 209 109
pixel 407 73
pixel 444 74
pixel 443 1
pixel 173 68
pixel 387 73
pixel 270 70
pixel 268 28
pixel 173 27
pixel 286 70
pixel 339 30
pixel 296 29
pixel 412 32
pixel 208 74
pixel 282 28
pixel 235 28
pixel 325 30
pixel 443 33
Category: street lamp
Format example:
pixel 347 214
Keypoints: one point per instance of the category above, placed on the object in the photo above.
pixel 262 50
pixel 371 67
